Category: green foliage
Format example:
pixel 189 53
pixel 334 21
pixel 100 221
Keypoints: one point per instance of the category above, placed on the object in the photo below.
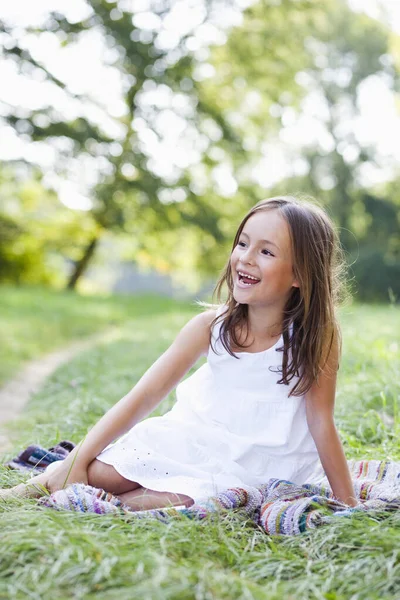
pixel 38 235
pixel 377 277
pixel 376 260
pixel 22 247
pixel 262 69
pixel 130 192
pixel 11 266
pixel 368 221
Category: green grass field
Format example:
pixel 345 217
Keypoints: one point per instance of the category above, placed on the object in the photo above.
pixel 45 554
pixel 35 320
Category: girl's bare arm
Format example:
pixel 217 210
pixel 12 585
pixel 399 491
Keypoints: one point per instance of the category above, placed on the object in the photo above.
pixel 191 343
pixel 320 400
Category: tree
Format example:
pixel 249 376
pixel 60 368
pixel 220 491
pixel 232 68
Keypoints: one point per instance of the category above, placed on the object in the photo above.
pixel 345 52
pixel 133 192
pixel 368 222
pixel 229 96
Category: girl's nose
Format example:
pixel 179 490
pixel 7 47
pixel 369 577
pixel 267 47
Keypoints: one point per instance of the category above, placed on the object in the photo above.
pixel 248 256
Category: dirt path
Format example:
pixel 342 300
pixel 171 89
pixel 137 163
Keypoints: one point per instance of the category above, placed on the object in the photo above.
pixel 16 393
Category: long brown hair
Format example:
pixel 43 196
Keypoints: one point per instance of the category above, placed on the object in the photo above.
pixel 310 309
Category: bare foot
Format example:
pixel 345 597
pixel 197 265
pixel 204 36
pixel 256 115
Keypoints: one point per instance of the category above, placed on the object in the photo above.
pixel 34 488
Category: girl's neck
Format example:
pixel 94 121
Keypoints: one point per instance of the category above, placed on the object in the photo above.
pixel 264 324
pixel 261 332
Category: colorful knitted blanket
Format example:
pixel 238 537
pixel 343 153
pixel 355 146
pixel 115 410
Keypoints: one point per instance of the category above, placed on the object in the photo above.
pixel 37 459
pixel 279 507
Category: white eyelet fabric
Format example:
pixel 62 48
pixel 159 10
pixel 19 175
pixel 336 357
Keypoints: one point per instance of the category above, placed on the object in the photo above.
pixel 232 425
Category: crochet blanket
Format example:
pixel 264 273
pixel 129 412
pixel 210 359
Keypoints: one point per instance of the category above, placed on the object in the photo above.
pixel 37 459
pixel 279 507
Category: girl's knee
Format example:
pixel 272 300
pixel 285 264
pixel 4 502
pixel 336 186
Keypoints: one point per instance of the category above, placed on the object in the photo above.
pixel 101 475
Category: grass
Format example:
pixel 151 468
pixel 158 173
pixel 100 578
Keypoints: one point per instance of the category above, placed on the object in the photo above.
pixel 45 554
pixel 37 320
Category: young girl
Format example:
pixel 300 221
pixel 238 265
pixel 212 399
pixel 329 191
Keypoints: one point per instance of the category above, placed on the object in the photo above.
pixel 261 407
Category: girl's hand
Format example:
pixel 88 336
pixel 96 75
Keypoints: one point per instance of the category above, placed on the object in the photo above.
pixel 65 473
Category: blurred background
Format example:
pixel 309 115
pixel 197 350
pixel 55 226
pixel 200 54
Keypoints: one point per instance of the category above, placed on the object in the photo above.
pixel 134 135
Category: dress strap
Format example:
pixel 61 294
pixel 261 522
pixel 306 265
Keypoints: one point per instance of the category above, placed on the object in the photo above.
pixel 216 328
pixel 222 308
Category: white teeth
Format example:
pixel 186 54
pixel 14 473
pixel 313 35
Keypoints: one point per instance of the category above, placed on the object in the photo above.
pixel 248 276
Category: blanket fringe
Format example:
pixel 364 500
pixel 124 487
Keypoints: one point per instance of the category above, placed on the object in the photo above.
pixel 279 507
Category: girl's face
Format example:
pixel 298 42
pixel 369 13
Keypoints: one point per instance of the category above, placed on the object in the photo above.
pixel 261 263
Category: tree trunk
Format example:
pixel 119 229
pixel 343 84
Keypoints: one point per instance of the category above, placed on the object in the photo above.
pixel 81 265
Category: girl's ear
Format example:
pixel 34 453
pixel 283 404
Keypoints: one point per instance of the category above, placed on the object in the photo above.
pixel 295 284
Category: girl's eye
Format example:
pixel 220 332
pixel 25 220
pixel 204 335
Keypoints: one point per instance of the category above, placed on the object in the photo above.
pixel 241 244
pixel 267 252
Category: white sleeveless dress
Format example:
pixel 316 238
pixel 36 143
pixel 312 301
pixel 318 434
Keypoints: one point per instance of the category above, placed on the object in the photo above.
pixel 232 425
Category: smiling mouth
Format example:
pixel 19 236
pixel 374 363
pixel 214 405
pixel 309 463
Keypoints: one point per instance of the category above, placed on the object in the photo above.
pixel 246 279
